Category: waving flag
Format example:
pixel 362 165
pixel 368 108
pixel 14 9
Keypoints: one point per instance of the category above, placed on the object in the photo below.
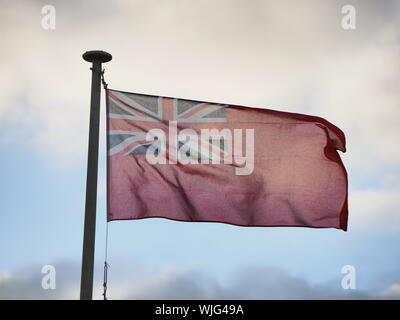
pixel 197 161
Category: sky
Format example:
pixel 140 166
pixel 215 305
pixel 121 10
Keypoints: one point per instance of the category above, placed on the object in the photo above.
pixel 285 55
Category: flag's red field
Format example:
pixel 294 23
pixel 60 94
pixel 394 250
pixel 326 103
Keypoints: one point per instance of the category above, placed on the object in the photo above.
pixel 296 179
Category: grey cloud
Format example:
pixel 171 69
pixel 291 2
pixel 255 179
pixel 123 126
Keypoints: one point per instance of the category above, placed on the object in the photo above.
pixel 25 283
pixel 249 283
pixel 177 283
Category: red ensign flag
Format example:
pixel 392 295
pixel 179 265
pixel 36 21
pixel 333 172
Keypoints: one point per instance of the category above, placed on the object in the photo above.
pixel 198 161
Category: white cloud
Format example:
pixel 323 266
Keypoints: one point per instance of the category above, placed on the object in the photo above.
pixel 260 54
pixel 375 210
pixel 288 56
pixel 391 292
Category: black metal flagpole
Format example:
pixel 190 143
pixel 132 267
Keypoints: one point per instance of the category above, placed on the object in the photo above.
pixel 97 58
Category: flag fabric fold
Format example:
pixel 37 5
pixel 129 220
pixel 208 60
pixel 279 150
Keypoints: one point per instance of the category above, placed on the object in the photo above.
pixel 198 161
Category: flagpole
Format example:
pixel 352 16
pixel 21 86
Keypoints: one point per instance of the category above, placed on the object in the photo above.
pixel 97 58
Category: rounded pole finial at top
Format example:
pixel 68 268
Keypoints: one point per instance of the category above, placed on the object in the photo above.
pixel 97 55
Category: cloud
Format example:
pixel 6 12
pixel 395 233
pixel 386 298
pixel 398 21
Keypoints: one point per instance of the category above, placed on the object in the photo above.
pixel 375 210
pixel 263 54
pixel 392 292
pixel 26 283
pixel 280 55
pixel 177 282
